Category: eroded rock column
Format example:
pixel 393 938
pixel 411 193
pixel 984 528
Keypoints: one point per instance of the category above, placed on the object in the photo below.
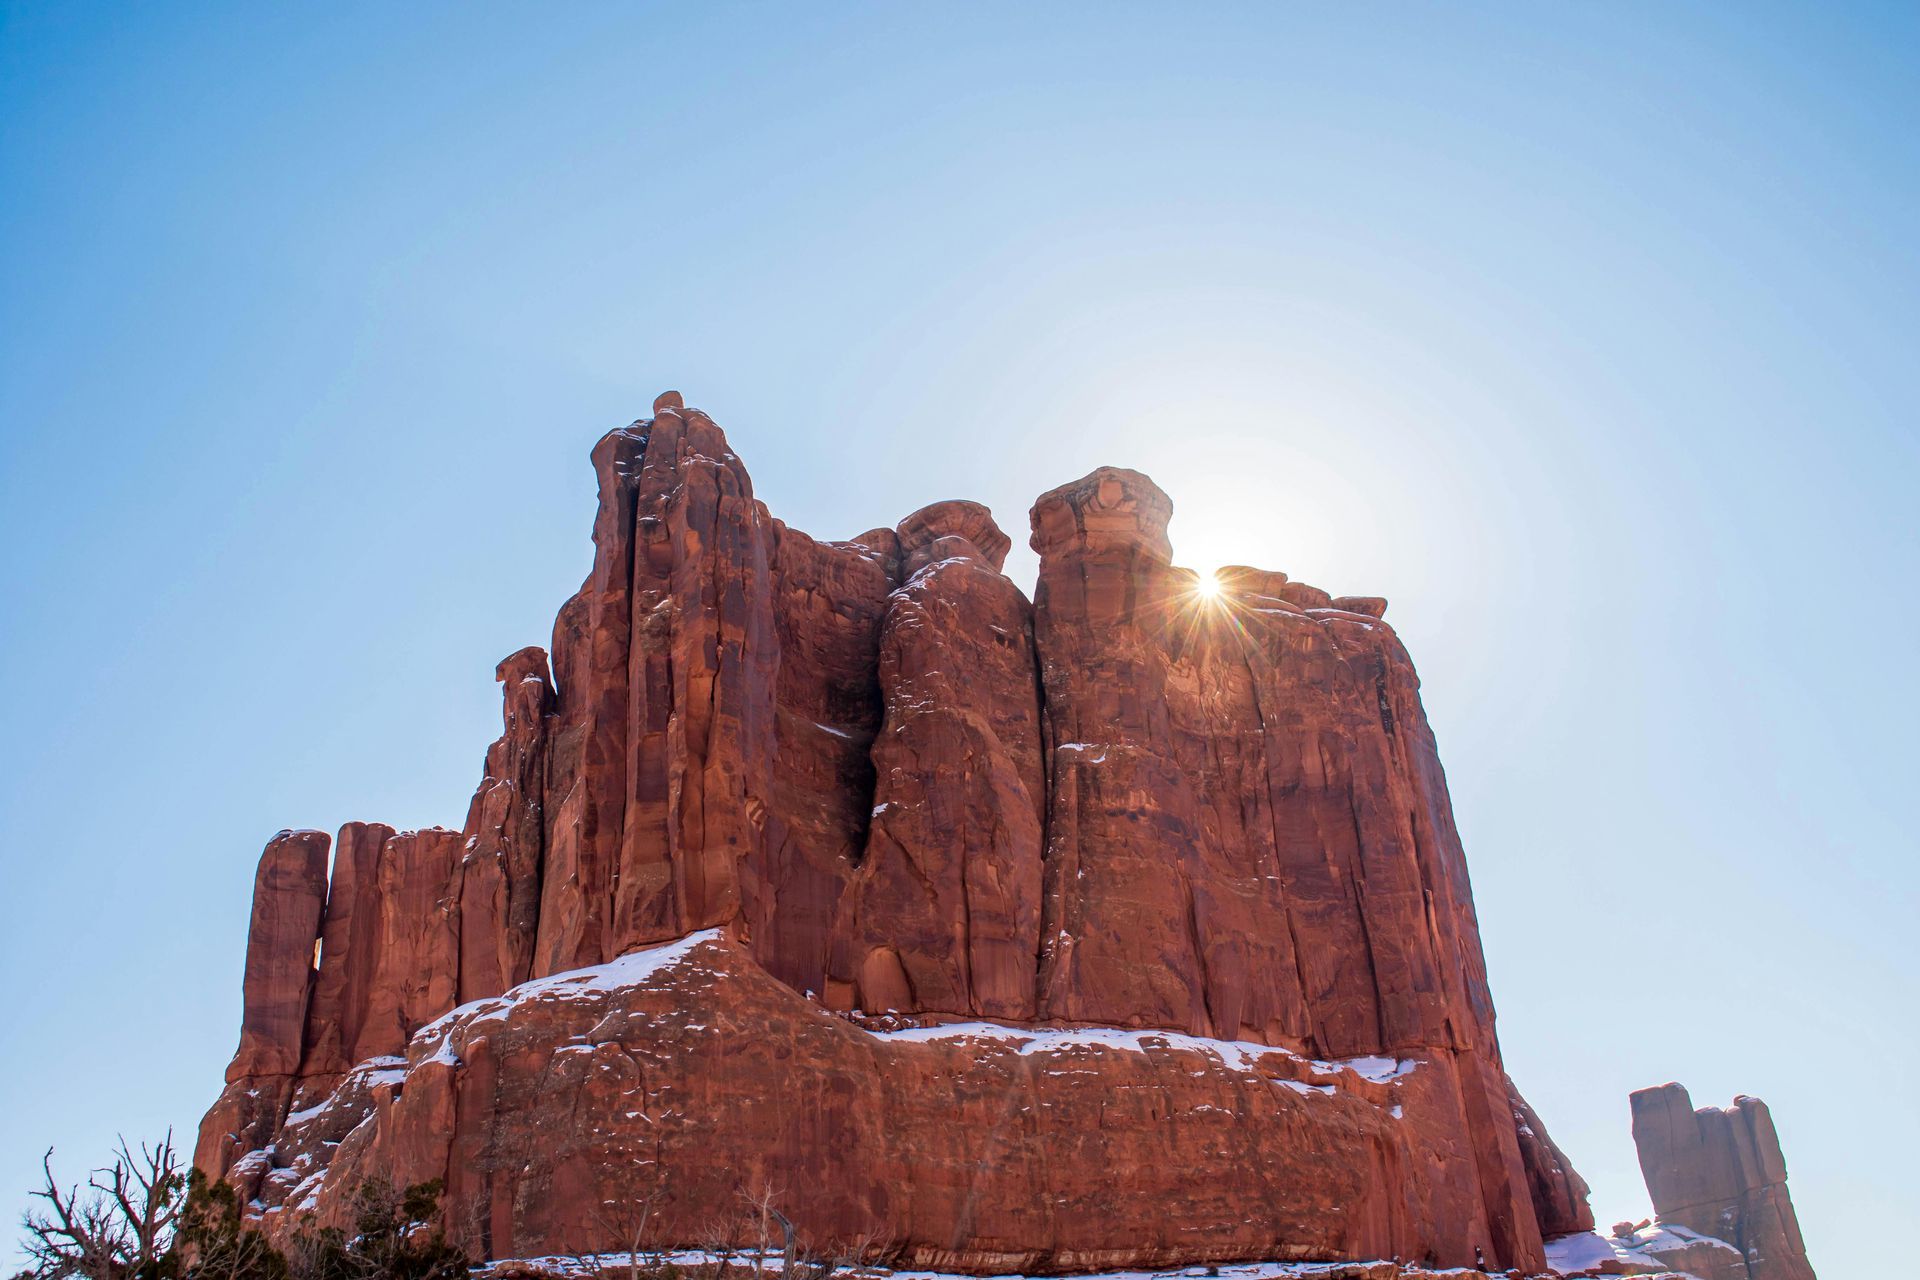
pixel 289 895
pixel 505 837
pixel 828 602
pixel 1163 907
pixel 586 787
pixel 417 959
pixel 701 672
pixel 944 912
pixel 349 950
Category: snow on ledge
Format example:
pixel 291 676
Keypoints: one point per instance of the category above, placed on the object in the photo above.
pixel 1569 1255
pixel 1649 1247
pixel 637 968
pixel 602 1263
pixel 370 1074
pixel 634 969
pixel 1236 1055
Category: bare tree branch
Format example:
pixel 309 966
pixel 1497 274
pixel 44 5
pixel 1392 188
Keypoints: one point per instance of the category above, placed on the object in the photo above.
pixel 118 1228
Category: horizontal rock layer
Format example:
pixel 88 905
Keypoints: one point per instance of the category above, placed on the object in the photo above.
pixel 902 789
pixel 685 1075
pixel 614 1266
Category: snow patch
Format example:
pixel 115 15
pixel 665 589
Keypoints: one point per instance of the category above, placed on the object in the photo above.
pixel 634 969
pixel 1649 1247
pixel 1379 1070
pixel 370 1074
pixel 1567 1255
pixel 1235 1055
pixel 594 1264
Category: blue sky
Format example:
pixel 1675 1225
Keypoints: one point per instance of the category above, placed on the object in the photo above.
pixel 1584 333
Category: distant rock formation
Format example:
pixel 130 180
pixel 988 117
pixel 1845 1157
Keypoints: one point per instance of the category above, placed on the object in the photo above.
pixel 1124 927
pixel 1719 1172
pixel 1719 1188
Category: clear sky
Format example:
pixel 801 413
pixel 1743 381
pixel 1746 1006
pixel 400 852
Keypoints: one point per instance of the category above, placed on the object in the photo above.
pixel 1585 333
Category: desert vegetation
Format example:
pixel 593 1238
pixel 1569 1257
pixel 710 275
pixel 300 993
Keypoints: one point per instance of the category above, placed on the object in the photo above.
pixel 143 1215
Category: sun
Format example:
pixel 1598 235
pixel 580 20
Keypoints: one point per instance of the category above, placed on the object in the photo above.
pixel 1207 586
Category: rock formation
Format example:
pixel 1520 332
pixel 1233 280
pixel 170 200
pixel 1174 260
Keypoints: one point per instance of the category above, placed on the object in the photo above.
pixel 1719 1188
pixel 1719 1173
pixel 289 897
pixel 1123 927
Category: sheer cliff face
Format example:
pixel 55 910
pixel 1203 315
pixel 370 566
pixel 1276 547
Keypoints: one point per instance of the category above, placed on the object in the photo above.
pixel 903 792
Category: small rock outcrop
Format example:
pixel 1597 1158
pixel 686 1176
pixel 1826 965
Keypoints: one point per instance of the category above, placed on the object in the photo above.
pixel 1126 926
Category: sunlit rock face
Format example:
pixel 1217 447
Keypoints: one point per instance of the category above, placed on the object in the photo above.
pixel 1126 926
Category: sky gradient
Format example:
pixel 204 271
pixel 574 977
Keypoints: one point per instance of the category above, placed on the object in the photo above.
pixel 1584 334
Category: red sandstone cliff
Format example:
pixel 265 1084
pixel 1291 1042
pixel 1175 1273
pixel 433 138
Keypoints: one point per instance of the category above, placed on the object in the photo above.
pixel 779 802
